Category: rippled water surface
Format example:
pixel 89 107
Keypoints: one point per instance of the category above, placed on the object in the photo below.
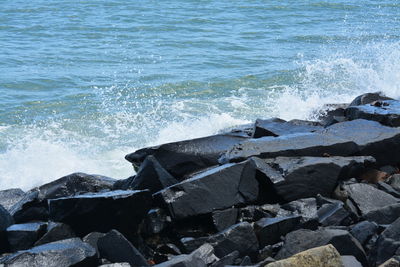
pixel 82 83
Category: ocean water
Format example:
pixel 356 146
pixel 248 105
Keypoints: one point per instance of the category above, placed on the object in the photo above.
pixel 84 82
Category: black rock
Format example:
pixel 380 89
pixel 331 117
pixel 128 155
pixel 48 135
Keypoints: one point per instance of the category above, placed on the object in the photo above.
pixel 68 252
pixel 116 248
pixel 245 261
pixel 307 208
pixel 155 221
pixel 390 170
pixel 252 213
pixel 388 189
pixel 185 157
pixel 278 127
pixel 363 231
pixel 30 208
pixel 92 240
pixel 121 210
pixel 222 219
pixel 226 260
pixel 5 219
pixel 74 184
pixel 384 215
pixel 386 112
pixel 368 98
pixel 331 113
pixel 10 197
pixel 367 197
pixel 387 244
pixel 190 244
pixel 55 232
pixel 23 236
pixel 332 214
pixel 302 239
pixel 151 175
pixel 270 230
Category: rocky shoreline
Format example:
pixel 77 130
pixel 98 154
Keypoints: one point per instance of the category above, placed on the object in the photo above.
pixel 275 193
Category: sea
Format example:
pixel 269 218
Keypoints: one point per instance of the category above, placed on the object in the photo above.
pixel 84 82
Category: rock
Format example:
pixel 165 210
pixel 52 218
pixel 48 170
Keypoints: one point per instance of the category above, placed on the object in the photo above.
pixel 373 176
pixel 151 175
pixel 332 113
pixel 246 261
pixel 156 221
pixel 55 232
pixel 388 189
pixel 326 256
pixel 186 157
pixel 389 169
pixel 270 230
pixel 384 215
pixel 226 260
pixel 68 252
pixel 222 219
pixel 253 213
pixel 30 208
pixel 394 181
pixel 75 184
pixel 350 261
pixel 10 197
pixel 368 98
pixel 278 127
pixel 116 248
pixel 390 263
pixel 301 177
pixel 119 264
pixel 368 198
pixel 215 189
pixel 387 244
pixel 303 239
pixel 386 112
pixel 92 240
pixel 23 236
pixel 332 214
pixel 191 244
pixel 5 219
pixel 307 208
pixel 363 231
pixel 121 210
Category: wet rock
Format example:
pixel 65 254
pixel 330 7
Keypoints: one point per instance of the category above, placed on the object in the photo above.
pixel 387 244
pixel 384 215
pixel 350 261
pixel 215 189
pixel 270 230
pixel 388 189
pixel 386 112
pixel 394 181
pixel 156 220
pixel 226 260
pixel 368 198
pixel 30 208
pixel 326 256
pixel 5 219
pixel 68 252
pixel 278 127
pixel 369 98
pixel 186 157
pixel 302 239
pixel 363 231
pixel 222 219
pixel 332 113
pixel 332 214
pixel 92 240
pixel 23 236
pixel 55 232
pixel 116 248
pixel 151 175
pixel 121 210
pixel 10 197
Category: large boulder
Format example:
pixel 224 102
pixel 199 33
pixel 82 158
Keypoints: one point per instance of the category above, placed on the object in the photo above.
pixel 278 127
pixel 185 157
pixel 30 208
pixel 368 98
pixel 326 256
pixel 10 197
pixel 23 236
pixel 386 112
pixel 64 253
pixel 387 244
pixel 332 214
pixel 54 232
pixel 121 210
pixel 302 239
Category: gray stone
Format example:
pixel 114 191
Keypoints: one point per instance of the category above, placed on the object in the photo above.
pixel 10 197
pixel 384 215
pixel 394 181
pixel 386 112
pixel 226 260
pixel 388 189
pixel 278 127
pixel 350 261
pixel 387 244
pixel 363 231
pixel 92 239
pixel 270 230
pixel 54 232
pixel 332 214
pixel 223 219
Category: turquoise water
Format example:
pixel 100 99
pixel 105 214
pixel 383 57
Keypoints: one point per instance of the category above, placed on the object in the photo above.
pixel 82 83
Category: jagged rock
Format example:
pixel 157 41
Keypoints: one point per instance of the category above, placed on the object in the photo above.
pixel 68 252
pixel 116 248
pixel 394 181
pixel 368 98
pixel 151 175
pixel 10 197
pixel 301 177
pixel 185 157
pixel 191 244
pixel 326 256
pixel 307 208
pixel 55 232
pixel 121 210
pixel 215 189
pixel 270 230
pixel 74 184
pixel 386 112
pixel 252 213
pixel 23 236
pixel 326 200
pixel 303 239
pixel 363 231
pixel 350 261
pixel 278 127
pixel 368 198
pixel 222 219
pixel 165 252
pixel 226 260
pixel 30 208
pixel 388 189
pixel 384 215
pixel 156 221
pixel 5 219
pixel 332 113
pixel 92 240
pixel 332 214
pixel 390 263
pixel 387 244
